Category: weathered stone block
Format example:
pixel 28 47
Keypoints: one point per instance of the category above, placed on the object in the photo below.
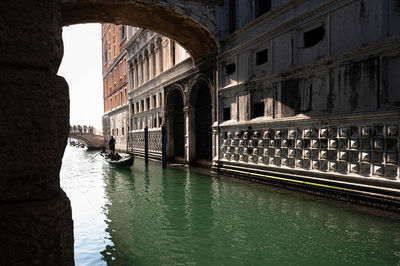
pixel 392 131
pixel 379 170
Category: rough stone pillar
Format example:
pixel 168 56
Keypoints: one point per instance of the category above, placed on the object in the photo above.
pixel 36 223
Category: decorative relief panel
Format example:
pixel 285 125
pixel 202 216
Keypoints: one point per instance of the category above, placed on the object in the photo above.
pixel 137 141
pixel 367 150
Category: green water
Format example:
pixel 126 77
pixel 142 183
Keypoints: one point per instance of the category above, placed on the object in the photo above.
pixel 180 216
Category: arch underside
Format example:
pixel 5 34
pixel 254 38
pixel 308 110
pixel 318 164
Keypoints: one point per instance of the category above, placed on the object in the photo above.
pixel 194 37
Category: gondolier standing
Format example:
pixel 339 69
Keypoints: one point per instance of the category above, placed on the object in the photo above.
pixel 111 144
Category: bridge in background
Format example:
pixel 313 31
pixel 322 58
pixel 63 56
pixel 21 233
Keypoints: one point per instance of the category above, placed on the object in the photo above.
pixel 90 136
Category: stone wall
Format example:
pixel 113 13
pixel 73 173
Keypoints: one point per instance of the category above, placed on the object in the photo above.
pixel 36 226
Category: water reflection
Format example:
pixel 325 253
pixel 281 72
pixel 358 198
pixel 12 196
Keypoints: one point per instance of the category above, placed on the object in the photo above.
pixel 178 215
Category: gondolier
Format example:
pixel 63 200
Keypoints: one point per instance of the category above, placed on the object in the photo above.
pixel 111 144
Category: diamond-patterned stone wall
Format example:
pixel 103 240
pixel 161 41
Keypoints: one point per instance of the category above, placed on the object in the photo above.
pixel 366 150
pixel 137 140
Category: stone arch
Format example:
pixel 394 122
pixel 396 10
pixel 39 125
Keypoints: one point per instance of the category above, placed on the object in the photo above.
pixel 200 105
pixel 175 119
pixel 30 67
pixel 196 31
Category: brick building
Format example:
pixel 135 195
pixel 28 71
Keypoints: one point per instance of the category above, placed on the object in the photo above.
pixel 115 83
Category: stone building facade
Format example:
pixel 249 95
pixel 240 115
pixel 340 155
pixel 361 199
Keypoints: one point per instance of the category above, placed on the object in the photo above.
pixel 115 84
pixel 154 60
pixel 311 89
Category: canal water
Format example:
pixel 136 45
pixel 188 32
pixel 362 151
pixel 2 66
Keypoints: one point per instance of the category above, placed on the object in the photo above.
pixel 180 216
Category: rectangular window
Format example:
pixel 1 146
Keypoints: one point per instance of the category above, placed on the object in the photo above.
pixel 258 109
pixel 137 107
pixel 116 131
pixel 111 104
pixel 262 57
pixel 313 37
pixel 154 101
pixel 109 79
pixel 148 103
pixel 115 100
pixel 126 96
pixel 227 113
pixel 114 50
pixel 142 103
pixel 155 122
pixel 120 97
pixel 115 75
pixel 159 120
pixel 120 70
pixel 159 99
pixel 125 66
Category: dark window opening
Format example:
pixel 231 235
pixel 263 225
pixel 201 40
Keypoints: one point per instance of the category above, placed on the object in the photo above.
pixel 262 7
pixel 155 122
pixel 116 131
pixel 147 103
pixel 160 121
pixel 227 113
pixel 313 37
pixel 262 57
pixel 123 131
pixel 121 33
pixel 232 16
pixel 230 69
pixel 154 101
pixel 258 109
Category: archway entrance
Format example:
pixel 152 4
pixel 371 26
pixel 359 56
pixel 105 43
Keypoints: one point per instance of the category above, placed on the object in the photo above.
pixel 203 125
pixel 176 126
pixel 202 135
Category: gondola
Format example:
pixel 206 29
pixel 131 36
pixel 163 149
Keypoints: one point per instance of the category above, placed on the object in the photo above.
pixel 126 160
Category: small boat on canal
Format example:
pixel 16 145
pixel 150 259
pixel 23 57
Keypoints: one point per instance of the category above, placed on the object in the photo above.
pixel 124 160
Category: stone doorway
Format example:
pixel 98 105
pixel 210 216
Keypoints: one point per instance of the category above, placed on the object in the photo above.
pixel 175 126
pixel 203 124
pixel 199 123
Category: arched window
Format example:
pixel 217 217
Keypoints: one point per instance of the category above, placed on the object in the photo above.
pixel 262 7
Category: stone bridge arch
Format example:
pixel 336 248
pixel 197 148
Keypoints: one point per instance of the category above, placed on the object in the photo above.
pixel 191 23
pixel 90 140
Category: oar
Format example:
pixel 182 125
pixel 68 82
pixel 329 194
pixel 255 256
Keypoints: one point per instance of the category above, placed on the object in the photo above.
pixel 94 156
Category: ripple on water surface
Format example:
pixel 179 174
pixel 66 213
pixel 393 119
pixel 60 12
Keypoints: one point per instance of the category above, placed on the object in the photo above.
pixel 150 216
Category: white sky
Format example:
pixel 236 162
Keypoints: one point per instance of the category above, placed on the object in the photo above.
pixel 81 67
